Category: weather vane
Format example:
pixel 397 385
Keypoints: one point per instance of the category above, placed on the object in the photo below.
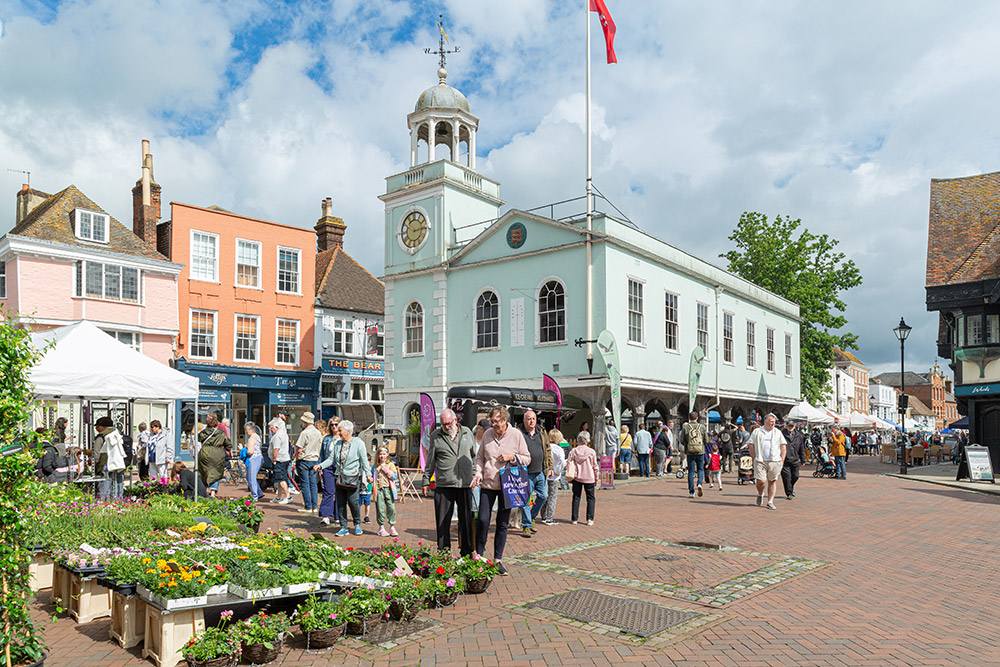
pixel 441 52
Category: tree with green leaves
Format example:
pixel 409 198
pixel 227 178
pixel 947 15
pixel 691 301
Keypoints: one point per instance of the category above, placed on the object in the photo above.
pixel 807 270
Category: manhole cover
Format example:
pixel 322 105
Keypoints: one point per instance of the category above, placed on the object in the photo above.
pixel 664 557
pixel 632 616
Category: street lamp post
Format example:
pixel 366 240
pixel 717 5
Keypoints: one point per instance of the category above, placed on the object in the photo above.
pixel 902 331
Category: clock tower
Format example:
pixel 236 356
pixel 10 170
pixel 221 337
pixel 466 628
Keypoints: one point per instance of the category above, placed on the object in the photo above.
pixel 441 191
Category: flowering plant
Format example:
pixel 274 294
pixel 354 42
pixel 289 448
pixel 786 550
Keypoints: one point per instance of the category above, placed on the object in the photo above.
pixel 407 591
pixel 475 566
pixel 171 580
pixel 441 586
pixel 261 628
pixel 212 643
pixel 317 614
pixel 360 603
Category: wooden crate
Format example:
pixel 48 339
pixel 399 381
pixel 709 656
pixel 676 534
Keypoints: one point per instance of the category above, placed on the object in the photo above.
pixel 166 632
pixel 128 619
pixel 42 571
pixel 88 599
pixel 61 586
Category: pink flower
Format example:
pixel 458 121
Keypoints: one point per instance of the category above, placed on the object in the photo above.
pixel 333 617
pixel 227 614
pixel 450 583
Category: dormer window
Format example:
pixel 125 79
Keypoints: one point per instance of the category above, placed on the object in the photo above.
pixel 91 226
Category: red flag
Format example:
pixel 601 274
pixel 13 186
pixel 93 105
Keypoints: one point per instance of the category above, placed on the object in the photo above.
pixel 608 24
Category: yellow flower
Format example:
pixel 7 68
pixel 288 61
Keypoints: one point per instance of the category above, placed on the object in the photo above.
pixel 150 571
pixel 162 584
pixel 145 561
pixel 172 584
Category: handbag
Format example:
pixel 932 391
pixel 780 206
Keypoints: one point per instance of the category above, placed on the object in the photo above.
pixel 244 455
pixel 515 485
pixel 571 470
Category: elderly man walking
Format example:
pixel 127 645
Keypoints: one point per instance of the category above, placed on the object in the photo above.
pixel 796 456
pixel 450 458
pixel 768 448
pixel 538 470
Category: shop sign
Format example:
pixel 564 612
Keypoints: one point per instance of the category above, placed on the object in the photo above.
pixel 239 378
pixel 977 389
pixel 214 396
pixel 359 368
pixel 290 398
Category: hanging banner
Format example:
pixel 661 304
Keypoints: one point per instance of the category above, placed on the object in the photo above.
pixel 427 420
pixel 694 374
pixel 548 384
pixel 609 350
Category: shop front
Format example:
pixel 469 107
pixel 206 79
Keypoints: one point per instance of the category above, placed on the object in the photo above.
pixel 243 394
pixel 353 389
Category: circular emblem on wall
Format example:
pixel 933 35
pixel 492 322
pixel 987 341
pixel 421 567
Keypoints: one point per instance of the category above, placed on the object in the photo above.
pixel 516 235
pixel 413 231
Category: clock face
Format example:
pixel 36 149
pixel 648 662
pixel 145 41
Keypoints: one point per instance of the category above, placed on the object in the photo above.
pixel 413 230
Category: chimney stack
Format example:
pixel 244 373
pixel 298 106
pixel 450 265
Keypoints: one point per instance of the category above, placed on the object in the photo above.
pixel 329 229
pixel 146 200
pixel 27 200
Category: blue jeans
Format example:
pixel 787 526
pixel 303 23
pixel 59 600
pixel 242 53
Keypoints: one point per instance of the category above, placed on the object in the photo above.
pixel 643 464
pixel 696 462
pixel 307 483
pixel 253 467
pixel 838 462
pixel 540 486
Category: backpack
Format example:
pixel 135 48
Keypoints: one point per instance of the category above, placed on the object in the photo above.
pixel 695 438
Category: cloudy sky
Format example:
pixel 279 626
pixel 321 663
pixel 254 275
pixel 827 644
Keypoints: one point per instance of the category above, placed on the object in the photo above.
pixel 838 113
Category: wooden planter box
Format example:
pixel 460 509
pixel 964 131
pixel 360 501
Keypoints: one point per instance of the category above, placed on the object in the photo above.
pixel 61 580
pixel 166 632
pixel 87 599
pixel 42 571
pixel 128 620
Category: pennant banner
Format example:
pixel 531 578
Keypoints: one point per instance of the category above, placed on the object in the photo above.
pixel 548 384
pixel 609 350
pixel 694 375
pixel 427 420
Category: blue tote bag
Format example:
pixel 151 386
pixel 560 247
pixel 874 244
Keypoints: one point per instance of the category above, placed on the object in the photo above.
pixel 515 484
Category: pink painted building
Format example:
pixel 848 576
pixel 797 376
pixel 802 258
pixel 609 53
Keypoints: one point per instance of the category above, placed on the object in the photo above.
pixel 66 259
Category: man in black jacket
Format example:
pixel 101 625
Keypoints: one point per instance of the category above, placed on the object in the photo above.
pixel 795 457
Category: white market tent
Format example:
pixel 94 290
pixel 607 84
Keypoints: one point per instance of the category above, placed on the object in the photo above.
pixel 861 421
pixel 85 361
pixel 804 412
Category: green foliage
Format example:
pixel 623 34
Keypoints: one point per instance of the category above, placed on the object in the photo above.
pixel 261 628
pixel 475 566
pixel 359 603
pixel 807 270
pixel 254 576
pixel 212 643
pixel 317 614
pixel 408 591
pixel 298 575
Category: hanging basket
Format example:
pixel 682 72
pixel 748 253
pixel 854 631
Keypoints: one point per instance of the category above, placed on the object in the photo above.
pixel 445 599
pixel 324 638
pixel 477 586
pixel 403 612
pixel 221 661
pixel 363 625
pixel 259 654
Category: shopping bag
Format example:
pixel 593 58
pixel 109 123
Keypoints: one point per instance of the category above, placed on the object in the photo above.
pixel 515 484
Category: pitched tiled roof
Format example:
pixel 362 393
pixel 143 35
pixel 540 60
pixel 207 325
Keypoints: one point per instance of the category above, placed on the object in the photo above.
pixel 912 379
pixel 844 355
pixel 917 407
pixel 344 284
pixel 963 233
pixel 52 220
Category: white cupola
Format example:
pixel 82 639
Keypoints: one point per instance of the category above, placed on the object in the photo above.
pixel 441 116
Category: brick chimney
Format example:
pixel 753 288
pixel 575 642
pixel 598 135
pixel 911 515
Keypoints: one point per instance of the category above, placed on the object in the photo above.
pixel 146 200
pixel 27 200
pixel 329 230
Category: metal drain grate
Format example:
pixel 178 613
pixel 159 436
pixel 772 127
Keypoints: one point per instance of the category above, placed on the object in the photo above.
pixel 635 617
pixel 664 557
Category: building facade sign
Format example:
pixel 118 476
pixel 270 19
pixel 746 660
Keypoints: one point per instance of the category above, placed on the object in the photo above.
pixel 977 389
pixel 358 368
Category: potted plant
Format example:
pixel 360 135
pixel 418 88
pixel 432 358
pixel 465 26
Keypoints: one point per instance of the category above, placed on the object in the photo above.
pixel 254 581
pixel 443 592
pixel 261 636
pixel 363 608
pixel 123 573
pixel 214 647
pixel 322 622
pixel 170 585
pixel 477 571
pixel 299 580
pixel 406 596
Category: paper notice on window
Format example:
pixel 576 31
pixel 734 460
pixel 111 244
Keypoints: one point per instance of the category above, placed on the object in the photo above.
pixel 517 322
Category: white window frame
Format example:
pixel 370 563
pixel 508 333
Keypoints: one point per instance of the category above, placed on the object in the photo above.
pixel 676 322
pixel 298 270
pixel 769 346
pixel 191 264
pixel 3 280
pixel 728 354
pixel 103 218
pixel 406 329
pixel 136 343
pixel 538 313
pixel 751 344
pixel 260 265
pixel 236 338
pixel 476 320
pixel 706 331
pixel 641 313
pixel 277 342
pixel 80 282
pixel 788 355
pixel 215 333
pixel 347 329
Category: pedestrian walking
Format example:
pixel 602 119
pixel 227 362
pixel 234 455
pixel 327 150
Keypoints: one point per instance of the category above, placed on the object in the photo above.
pixel 625 452
pixel 159 451
pixel 643 444
pixel 555 476
pixel 214 445
pixel 715 466
pixel 768 449
pixel 255 459
pixel 280 460
pixel 386 477
pixel 795 457
pixel 110 450
pixel 838 449
pixel 353 471
pixel 502 444
pixel 307 447
pixel 538 470
pixel 661 445
pixel 142 442
pixel 328 503
pixel 585 471
pixel 727 444
pixel 451 458
pixel 694 437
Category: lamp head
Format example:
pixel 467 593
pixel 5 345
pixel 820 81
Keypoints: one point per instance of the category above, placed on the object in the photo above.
pixel 902 331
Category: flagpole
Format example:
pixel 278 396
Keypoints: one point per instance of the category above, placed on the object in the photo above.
pixel 590 211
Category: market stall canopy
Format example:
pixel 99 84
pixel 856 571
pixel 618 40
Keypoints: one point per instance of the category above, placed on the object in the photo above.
pixel 961 423
pixel 85 361
pixel 804 412
pixel 861 421
pixel 534 399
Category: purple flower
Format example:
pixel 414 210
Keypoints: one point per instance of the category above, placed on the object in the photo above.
pixel 450 583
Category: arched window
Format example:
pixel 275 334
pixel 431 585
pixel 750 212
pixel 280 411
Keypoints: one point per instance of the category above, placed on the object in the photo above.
pixel 414 327
pixel 552 313
pixel 487 321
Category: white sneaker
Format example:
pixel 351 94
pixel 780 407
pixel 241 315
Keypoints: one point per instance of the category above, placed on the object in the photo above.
pixel 294 491
pixel 325 521
pixel 284 501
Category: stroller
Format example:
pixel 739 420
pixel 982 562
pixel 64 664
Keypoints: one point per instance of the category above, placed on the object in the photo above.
pixel 744 469
pixel 825 468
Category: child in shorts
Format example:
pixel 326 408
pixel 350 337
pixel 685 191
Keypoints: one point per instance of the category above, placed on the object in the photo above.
pixel 365 502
